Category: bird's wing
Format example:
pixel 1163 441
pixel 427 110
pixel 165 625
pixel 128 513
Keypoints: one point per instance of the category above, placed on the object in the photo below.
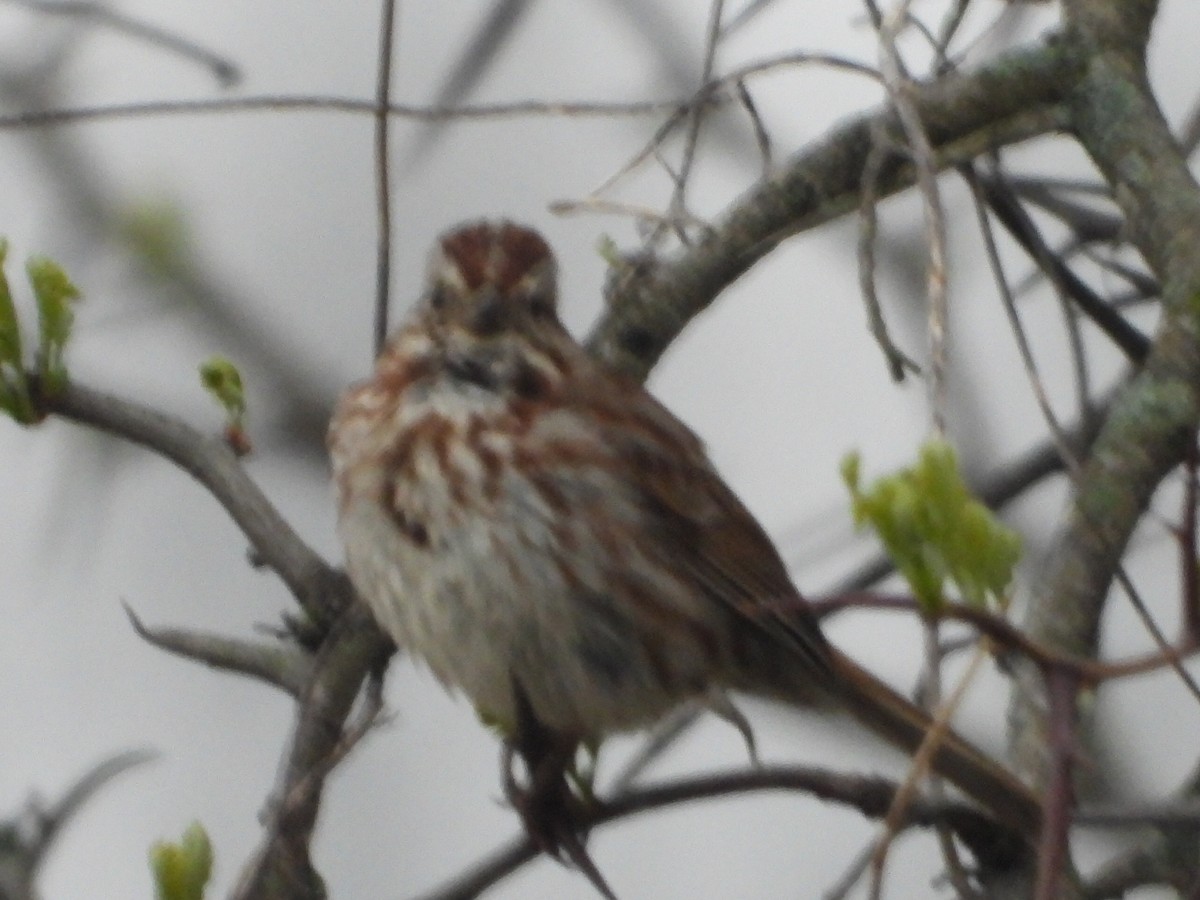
pixel 704 530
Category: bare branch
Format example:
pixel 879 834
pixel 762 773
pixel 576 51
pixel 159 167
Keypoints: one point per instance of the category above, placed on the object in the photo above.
pixel 1167 856
pixel 222 69
pixel 281 867
pixel 1154 418
pixel 898 362
pixel 352 649
pixel 869 795
pixel 1058 435
pixel 315 103
pixel 319 588
pixel 383 197
pixel 678 204
pixel 1062 687
pixel 1182 814
pixel 1016 220
pixel 285 667
pixel 26 840
pixel 901 91
pixel 761 136
pixel 1011 100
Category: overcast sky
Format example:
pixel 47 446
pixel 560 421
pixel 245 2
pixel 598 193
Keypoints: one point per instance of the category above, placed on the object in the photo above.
pixel 780 378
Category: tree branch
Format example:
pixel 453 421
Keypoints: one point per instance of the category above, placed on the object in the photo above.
pixel 350 646
pixel 27 838
pixel 281 868
pixel 286 667
pixel 320 589
pixel 1012 99
pixel 1146 432
pixel 870 795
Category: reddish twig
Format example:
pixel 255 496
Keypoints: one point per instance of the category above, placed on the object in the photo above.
pixel 1188 548
pixel 1012 639
pixel 871 796
pixel 1062 687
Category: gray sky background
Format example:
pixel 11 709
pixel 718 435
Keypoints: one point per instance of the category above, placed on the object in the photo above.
pixel 780 378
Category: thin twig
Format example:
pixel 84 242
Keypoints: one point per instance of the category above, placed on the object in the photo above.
pixel 1087 223
pixel 1016 220
pixel 471 64
pixel 920 765
pixel 225 71
pixel 370 717
pixel 1182 814
pixel 852 874
pixel 1072 323
pixel 820 183
pixel 286 667
pixel 1057 433
pixel 1010 638
pixel 761 136
pixel 1144 285
pixel 946 33
pixel 898 362
pixel 871 796
pixel 317 103
pixel 648 150
pixel 747 14
pixel 594 204
pixel 662 736
pixel 1189 553
pixel 1156 634
pixel 383 198
pixel 791 60
pixel 207 458
pixel 900 93
pixel 677 209
pixel 52 821
pixel 709 95
pixel 27 838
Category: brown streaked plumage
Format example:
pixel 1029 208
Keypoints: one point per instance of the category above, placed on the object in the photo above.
pixel 553 542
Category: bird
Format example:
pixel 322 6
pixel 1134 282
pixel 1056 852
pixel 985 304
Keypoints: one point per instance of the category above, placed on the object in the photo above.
pixel 551 541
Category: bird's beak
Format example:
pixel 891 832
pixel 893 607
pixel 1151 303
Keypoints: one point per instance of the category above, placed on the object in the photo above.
pixel 489 315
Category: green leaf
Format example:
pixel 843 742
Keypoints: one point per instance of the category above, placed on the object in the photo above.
pixel 10 332
pixel 14 388
pixel 222 379
pixel 181 871
pixel 935 531
pixel 55 294
pixel 157 234
pixel 609 252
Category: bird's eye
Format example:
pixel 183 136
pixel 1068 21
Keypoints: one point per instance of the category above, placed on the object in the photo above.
pixel 438 297
pixel 541 306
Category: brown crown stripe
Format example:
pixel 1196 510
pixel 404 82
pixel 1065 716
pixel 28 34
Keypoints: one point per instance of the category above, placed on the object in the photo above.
pixel 500 254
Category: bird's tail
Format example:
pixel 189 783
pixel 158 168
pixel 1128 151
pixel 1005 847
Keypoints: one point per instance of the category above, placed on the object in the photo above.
pixel 901 723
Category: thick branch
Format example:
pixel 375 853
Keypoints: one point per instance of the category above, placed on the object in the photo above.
pixel 349 650
pixel 281 869
pixel 1147 431
pixel 1012 99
